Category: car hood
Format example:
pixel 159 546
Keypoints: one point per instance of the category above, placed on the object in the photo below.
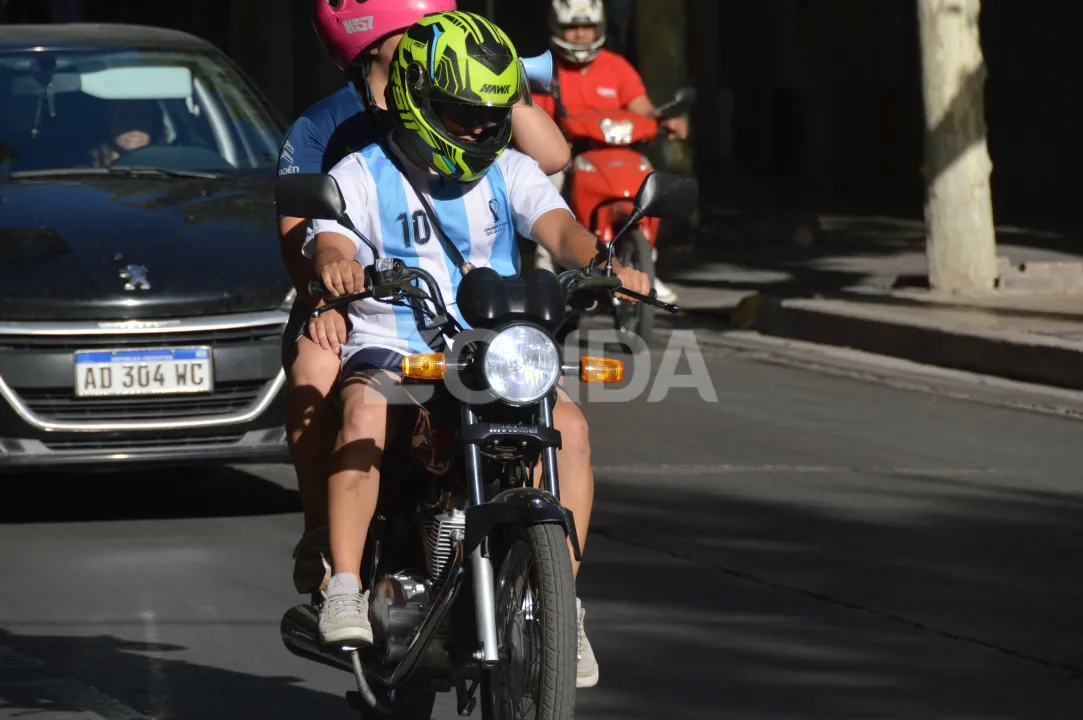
pixel 203 246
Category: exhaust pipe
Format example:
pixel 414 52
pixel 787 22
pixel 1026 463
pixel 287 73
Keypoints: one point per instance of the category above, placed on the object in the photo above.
pixel 301 635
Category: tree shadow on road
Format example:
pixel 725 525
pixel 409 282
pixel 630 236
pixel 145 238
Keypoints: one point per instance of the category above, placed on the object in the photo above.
pixel 970 606
pixel 158 494
pixel 108 675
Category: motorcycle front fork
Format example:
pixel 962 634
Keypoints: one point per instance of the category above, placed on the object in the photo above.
pixel 480 565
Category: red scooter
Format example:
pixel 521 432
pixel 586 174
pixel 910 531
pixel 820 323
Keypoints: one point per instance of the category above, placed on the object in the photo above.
pixel 609 167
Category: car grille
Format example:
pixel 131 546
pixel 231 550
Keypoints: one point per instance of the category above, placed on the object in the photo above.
pixel 213 338
pixel 61 405
pixel 140 443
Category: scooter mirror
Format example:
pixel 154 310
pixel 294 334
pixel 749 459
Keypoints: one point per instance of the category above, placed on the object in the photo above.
pixel 667 195
pixel 685 96
pixel 309 195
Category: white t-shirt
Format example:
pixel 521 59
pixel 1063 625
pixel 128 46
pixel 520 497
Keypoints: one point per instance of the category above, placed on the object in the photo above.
pixel 480 219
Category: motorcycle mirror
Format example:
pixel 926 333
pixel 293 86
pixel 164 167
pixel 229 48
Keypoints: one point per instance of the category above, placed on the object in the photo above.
pixel 667 195
pixel 684 97
pixel 309 195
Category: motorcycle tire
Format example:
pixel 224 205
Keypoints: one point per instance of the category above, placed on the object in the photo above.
pixel 550 573
pixel 638 319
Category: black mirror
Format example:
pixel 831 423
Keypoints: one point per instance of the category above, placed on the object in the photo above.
pixel 685 96
pixel 309 195
pixel 667 195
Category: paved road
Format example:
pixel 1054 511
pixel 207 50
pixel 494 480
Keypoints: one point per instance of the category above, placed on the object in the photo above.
pixel 810 546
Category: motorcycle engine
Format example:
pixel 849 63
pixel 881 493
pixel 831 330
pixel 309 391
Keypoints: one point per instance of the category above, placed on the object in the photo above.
pixel 400 602
pixel 441 532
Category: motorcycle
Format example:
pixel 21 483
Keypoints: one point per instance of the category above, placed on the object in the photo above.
pixel 467 559
pixel 610 163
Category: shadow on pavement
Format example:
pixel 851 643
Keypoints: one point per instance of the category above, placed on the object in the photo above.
pixel 111 677
pixel 703 603
pixel 159 494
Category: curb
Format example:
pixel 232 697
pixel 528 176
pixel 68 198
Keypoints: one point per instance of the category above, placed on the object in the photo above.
pixel 1024 357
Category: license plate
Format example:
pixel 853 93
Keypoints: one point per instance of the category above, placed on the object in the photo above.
pixel 163 371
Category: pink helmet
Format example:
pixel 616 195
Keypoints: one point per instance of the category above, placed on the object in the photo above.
pixel 347 28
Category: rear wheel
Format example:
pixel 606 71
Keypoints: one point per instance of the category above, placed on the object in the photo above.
pixel 536 629
pixel 635 319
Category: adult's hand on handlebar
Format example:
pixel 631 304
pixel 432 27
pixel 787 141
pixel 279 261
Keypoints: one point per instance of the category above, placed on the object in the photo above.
pixel 344 277
pixel 677 127
pixel 329 330
pixel 634 280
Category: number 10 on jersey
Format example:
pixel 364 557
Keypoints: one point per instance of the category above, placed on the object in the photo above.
pixel 419 224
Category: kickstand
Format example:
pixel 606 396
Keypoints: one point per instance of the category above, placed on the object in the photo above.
pixel 363 686
pixel 465 697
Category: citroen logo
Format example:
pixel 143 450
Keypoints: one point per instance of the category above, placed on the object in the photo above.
pixel 135 277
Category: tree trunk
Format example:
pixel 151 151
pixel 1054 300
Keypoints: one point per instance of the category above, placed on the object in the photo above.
pixel 961 241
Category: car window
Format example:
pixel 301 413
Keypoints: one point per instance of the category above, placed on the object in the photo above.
pixel 92 109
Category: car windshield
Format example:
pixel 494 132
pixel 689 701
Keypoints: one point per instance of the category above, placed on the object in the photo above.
pixel 110 109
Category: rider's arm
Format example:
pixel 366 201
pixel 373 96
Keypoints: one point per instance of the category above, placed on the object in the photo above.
pixel 535 134
pixel 301 152
pixel 338 256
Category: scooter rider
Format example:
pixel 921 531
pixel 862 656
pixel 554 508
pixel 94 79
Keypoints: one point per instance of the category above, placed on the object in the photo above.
pixel 361 37
pixel 590 77
pixel 446 163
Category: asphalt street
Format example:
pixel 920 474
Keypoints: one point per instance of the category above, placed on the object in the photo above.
pixel 819 544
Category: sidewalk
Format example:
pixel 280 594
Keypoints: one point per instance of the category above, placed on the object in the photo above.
pixel 859 282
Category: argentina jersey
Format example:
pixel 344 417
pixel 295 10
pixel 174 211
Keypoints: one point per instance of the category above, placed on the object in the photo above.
pixel 481 219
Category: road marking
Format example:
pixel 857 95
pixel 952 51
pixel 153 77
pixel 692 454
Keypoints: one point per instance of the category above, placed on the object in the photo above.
pixel 720 469
pixel 62 695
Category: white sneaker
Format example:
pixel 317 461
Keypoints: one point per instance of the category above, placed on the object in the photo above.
pixel 664 292
pixel 344 620
pixel 586 671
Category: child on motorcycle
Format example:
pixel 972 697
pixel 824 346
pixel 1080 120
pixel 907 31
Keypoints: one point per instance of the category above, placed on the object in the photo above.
pixel 450 137
pixel 361 37
pixel 589 78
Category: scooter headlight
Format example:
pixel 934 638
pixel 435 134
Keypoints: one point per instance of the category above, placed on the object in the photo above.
pixel 521 364
pixel 617 132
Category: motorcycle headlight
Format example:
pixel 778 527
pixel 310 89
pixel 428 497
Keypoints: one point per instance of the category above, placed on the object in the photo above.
pixel 617 132
pixel 521 364
pixel 287 304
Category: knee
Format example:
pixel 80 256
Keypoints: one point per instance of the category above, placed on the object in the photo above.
pixel 574 431
pixel 313 370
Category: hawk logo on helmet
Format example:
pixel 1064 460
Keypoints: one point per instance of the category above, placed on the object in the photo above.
pixel 499 89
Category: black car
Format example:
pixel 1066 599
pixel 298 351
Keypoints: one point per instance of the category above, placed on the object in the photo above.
pixel 142 291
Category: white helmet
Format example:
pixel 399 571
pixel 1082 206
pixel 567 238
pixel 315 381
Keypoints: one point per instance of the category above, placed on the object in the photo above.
pixel 563 13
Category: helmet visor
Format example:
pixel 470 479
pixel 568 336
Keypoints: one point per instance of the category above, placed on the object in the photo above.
pixel 466 119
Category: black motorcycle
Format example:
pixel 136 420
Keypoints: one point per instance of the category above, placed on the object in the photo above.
pixel 467 560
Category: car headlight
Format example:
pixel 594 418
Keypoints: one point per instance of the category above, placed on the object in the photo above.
pixel 287 304
pixel 617 132
pixel 521 364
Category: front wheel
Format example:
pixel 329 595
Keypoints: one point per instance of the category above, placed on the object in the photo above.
pixel 637 319
pixel 537 630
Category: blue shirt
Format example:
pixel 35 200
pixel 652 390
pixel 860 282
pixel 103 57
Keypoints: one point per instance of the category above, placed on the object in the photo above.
pixel 327 132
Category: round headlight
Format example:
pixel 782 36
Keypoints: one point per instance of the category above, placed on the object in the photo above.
pixel 521 364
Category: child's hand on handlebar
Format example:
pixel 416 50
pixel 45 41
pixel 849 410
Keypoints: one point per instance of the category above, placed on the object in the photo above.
pixel 345 277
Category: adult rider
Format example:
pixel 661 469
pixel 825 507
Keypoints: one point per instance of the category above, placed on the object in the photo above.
pixel 361 37
pixel 590 78
pixel 449 142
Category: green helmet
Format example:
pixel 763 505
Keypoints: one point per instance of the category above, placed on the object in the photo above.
pixel 453 73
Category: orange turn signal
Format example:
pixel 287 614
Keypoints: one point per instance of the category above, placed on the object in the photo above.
pixel 429 366
pixel 600 370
